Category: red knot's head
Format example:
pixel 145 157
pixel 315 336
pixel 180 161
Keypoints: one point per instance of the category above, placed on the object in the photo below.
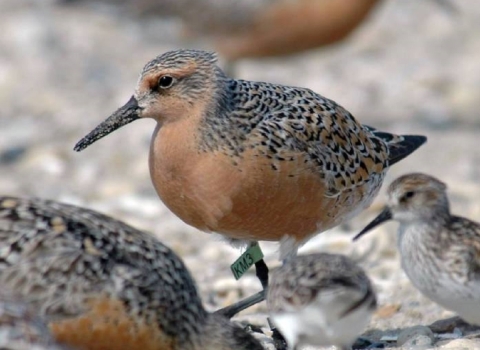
pixel 174 85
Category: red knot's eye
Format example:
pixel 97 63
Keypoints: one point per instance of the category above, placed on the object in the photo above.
pixel 165 82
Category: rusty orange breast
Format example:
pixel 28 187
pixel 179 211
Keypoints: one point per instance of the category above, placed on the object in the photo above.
pixel 243 197
pixel 107 325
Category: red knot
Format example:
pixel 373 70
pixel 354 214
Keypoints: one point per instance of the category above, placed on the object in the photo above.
pixel 254 161
pixel 101 284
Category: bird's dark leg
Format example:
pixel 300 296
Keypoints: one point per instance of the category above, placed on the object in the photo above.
pixel 261 270
pixel 262 274
pixel 232 310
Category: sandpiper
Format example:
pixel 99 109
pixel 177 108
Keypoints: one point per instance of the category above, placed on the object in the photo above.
pixel 320 299
pixel 440 252
pixel 252 160
pixel 101 284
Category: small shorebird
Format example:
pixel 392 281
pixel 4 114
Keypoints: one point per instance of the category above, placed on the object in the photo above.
pixel 101 284
pixel 440 252
pixel 320 299
pixel 252 160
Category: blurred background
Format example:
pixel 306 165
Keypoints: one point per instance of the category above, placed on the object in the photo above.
pixel 405 66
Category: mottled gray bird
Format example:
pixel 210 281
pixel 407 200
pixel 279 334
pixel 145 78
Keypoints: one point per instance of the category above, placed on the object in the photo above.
pixel 320 299
pixel 440 252
pixel 100 284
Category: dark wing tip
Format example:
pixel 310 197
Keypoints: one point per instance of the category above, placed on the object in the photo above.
pixel 402 149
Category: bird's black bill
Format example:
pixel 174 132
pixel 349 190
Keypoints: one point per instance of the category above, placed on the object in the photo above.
pixel 124 115
pixel 385 215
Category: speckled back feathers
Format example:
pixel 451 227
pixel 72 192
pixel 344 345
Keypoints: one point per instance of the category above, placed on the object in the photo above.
pixel 289 124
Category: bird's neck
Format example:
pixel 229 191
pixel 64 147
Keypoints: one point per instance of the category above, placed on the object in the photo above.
pixel 421 232
pixel 219 127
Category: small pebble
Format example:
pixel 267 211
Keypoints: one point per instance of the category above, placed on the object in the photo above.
pixel 418 337
pixel 446 325
pixel 389 338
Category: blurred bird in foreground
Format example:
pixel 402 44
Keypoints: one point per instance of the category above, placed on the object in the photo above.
pixel 100 284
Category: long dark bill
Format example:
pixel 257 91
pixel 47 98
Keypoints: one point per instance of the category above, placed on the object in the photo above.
pixel 123 116
pixel 385 215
